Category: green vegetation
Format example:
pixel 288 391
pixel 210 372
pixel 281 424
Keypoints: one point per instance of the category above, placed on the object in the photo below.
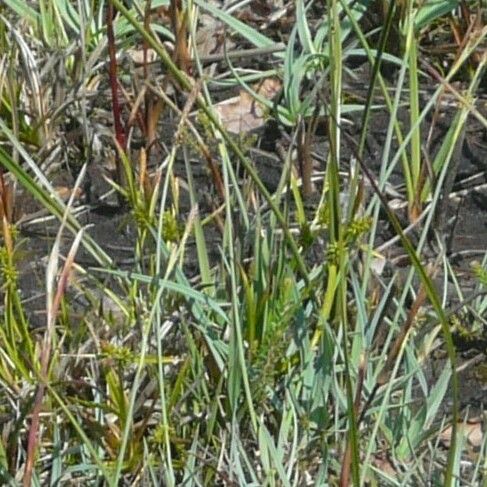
pixel 226 329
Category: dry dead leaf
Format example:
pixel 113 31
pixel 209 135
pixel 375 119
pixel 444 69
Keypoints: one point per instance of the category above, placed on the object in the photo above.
pixel 472 430
pixel 378 264
pixel 242 113
pixel 384 465
pixel 137 55
pixel 210 38
pixel 65 192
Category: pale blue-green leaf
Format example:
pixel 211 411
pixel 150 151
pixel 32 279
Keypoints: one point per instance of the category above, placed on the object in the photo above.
pixel 21 8
pixel 273 456
pixel 186 291
pixel 303 28
pixel 69 15
pixel 252 35
pixel 437 395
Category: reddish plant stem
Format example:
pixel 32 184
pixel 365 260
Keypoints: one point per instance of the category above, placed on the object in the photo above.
pixel 6 213
pixel 33 436
pixel 52 312
pixel 148 96
pixel 112 72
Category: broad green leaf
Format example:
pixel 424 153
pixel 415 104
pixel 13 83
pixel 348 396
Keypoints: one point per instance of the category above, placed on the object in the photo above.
pixel 432 10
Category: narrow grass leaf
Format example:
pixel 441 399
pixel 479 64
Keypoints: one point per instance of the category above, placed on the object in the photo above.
pixel 252 35
pixel 186 291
